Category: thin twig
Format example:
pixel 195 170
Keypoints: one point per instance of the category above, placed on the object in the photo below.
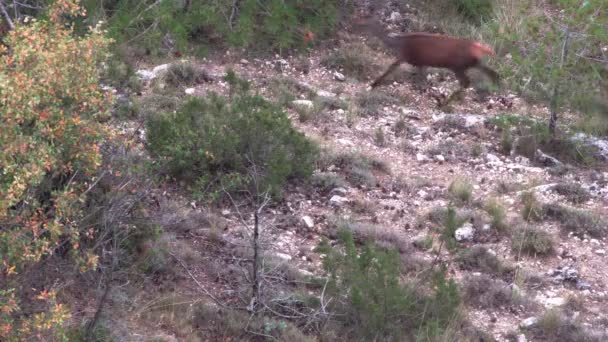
pixel 200 285
pixel 6 16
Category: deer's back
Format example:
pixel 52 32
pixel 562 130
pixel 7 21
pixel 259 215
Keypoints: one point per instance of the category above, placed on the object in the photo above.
pixel 425 49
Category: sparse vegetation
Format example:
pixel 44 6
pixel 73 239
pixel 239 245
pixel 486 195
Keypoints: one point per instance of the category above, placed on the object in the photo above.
pixel 553 325
pixel 183 73
pixel 374 304
pixel 480 259
pixel 579 222
pixel 452 222
pixel 497 212
pixel 364 232
pixel 461 190
pixel 379 138
pixel 573 192
pixel 327 181
pixel 354 60
pixel 484 292
pixel 532 210
pixel 372 102
pixel 532 241
pixel 358 168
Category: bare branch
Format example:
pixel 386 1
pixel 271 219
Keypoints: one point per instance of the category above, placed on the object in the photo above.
pixel 200 285
pixel 5 15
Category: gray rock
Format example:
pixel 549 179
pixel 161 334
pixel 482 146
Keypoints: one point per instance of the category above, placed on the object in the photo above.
pixel 583 285
pixel 464 233
pixel 145 75
pixel 303 104
pixel 338 200
pixel 421 157
pixel 546 159
pixel 528 322
pixel 339 76
pixel 339 191
pixel 395 17
pixel 491 158
pixel 308 221
pixel 283 256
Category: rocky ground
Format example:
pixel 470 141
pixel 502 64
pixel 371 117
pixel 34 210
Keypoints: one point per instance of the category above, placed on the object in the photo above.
pixel 417 150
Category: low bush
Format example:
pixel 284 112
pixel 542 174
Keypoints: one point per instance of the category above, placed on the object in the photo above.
pixel 166 26
pixel 532 241
pixel 217 143
pixel 372 304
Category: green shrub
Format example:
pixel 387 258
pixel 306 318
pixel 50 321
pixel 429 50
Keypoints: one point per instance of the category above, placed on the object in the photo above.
pixel 354 60
pixel 452 222
pixel 532 210
pixel 461 190
pixel 534 37
pixel 275 24
pixel 479 258
pixel 228 143
pixel 475 10
pixel 531 241
pixel 50 138
pixel 497 212
pixel 370 301
pixel 573 192
pixel 182 73
pixel 579 222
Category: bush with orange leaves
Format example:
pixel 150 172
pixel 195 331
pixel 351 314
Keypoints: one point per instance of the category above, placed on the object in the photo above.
pixel 49 155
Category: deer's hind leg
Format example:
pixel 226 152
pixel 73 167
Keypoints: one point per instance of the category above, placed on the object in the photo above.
pixel 390 69
pixel 463 81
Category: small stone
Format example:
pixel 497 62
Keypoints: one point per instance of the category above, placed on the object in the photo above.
pixel 395 17
pixel 305 273
pixel 308 221
pixel 522 338
pixel 528 322
pixel 189 91
pixel 145 75
pixel 160 68
pixel 600 252
pixel 244 61
pixel 225 212
pixel 422 194
pixel 464 233
pixel 340 191
pixel 303 104
pixel 283 256
pixel 339 76
pixel 583 285
pixel 324 93
pixel 421 157
pixel 338 200
pixel 555 301
pixel 440 158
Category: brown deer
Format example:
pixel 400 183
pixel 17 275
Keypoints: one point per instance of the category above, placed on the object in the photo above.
pixel 422 49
